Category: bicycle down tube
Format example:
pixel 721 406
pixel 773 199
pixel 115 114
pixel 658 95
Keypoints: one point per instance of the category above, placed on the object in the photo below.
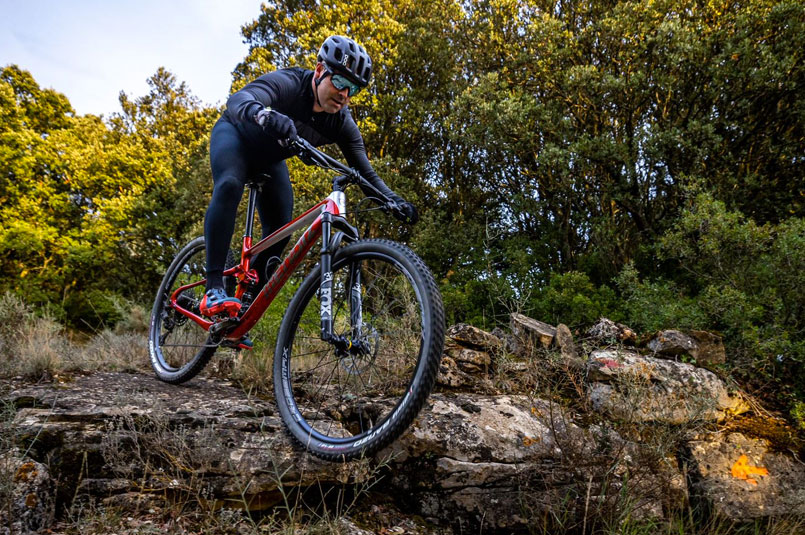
pixel 313 220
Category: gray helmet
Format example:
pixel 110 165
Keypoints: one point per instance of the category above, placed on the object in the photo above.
pixel 344 56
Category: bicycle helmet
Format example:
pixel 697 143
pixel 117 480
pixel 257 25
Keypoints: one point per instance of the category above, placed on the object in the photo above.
pixel 344 56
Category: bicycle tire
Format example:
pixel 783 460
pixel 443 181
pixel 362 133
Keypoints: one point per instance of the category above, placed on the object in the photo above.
pixel 178 347
pixel 333 405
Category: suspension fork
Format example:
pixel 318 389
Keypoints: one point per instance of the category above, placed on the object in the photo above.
pixel 326 287
pixel 329 246
pixel 355 301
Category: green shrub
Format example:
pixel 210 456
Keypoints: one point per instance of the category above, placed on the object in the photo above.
pixel 653 305
pixel 735 277
pixel 798 414
pixel 571 298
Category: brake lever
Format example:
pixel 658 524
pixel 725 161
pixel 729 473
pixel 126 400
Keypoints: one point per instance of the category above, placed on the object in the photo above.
pixel 300 150
pixel 391 207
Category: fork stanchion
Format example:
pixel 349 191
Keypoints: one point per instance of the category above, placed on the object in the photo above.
pixel 326 288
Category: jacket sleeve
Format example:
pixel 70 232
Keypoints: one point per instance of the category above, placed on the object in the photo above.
pixel 262 92
pixel 352 146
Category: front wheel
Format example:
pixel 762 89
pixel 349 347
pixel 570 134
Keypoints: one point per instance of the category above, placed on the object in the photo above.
pixel 348 399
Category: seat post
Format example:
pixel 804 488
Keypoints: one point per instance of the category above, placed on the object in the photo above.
pixel 254 191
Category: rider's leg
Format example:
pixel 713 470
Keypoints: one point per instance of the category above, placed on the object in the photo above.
pixel 275 207
pixel 229 168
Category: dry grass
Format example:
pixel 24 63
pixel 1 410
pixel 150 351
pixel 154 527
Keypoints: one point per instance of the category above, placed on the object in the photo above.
pixel 36 347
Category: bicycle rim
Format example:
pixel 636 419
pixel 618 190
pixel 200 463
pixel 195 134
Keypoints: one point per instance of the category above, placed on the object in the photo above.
pixel 345 403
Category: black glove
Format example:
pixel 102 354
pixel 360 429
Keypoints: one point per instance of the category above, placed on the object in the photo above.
pixel 405 212
pixel 278 125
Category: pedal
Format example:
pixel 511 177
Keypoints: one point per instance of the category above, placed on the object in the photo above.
pixel 244 343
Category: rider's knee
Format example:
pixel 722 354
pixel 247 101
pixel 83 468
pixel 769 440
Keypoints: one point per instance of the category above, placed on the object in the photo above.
pixel 228 187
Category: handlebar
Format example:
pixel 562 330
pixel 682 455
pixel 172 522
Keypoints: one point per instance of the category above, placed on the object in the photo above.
pixel 313 156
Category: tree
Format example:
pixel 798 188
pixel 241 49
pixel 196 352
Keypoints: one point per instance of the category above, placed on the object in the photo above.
pixel 89 210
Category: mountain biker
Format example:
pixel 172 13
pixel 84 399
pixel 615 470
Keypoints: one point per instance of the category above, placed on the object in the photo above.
pixel 249 140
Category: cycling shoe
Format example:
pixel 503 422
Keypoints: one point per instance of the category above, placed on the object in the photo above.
pixel 216 302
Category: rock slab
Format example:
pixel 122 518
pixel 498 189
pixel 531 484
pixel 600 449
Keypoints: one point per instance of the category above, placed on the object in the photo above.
pixel 532 333
pixel 740 478
pixel 638 388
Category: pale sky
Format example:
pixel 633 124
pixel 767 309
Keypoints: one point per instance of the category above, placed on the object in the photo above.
pixel 91 50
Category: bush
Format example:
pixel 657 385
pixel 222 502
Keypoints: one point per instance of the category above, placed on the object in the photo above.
pixel 572 299
pixel 36 346
pixel 653 305
pixel 737 278
pixel 31 346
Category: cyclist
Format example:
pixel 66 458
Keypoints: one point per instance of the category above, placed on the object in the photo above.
pixel 249 140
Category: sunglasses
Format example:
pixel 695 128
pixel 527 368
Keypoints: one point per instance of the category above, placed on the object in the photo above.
pixel 340 82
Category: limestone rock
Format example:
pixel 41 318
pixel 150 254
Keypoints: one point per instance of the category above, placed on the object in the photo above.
pixel 672 343
pixel 506 429
pixel 709 348
pixel 465 461
pixel 466 458
pixel 509 342
pixel 481 360
pixel 705 347
pixel 640 389
pixel 30 496
pixel 470 336
pixel 532 332
pixel 451 375
pixel 742 479
pixel 498 460
pixel 607 331
pixel 108 424
pixel 564 342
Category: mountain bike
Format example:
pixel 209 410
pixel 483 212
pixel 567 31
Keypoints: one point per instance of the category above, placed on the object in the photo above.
pixel 359 346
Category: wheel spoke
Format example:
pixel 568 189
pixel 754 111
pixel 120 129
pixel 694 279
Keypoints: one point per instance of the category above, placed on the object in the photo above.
pixel 180 347
pixel 345 389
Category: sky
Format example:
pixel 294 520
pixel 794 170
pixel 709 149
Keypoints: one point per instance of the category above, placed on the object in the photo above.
pixel 91 50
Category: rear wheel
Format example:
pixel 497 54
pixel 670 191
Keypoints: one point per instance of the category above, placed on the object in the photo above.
pixel 351 398
pixel 179 348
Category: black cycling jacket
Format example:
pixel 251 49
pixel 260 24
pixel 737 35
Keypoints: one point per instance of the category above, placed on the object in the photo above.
pixel 290 91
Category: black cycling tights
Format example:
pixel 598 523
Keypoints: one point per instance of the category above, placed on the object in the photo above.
pixel 232 164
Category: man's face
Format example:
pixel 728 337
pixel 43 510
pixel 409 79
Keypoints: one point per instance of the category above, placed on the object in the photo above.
pixel 330 99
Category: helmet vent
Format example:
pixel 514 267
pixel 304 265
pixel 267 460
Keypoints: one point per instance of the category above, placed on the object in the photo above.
pixel 344 56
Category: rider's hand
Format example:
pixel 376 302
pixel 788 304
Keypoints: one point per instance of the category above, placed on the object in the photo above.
pixel 406 212
pixel 278 125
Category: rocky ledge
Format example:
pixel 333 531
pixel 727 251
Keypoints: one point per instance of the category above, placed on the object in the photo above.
pixel 502 461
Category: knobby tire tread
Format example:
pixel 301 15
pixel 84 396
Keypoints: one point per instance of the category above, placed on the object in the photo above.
pixel 200 360
pixel 432 355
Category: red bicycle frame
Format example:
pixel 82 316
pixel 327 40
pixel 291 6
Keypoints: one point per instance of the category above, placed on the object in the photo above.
pixel 315 219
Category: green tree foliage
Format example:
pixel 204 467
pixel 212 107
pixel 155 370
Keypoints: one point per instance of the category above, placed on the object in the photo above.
pixel 738 277
pixel 88 208
pixel 592 116
pixel 566 130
